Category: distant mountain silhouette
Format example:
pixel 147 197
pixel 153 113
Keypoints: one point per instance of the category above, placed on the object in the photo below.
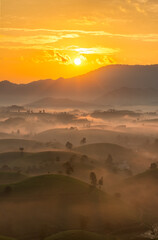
pixel 130 96
pixel 50 102
pixel 101 82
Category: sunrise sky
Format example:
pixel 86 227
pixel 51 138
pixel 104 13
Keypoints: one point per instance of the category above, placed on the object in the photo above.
pixel 42 38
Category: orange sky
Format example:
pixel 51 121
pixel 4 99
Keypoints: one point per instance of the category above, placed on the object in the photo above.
pixel 41 38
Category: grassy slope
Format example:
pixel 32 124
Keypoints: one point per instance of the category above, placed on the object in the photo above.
pixel 51 186
pixel 26 159
pixel 101 150
pixel 149 175
pixel 11 177
pixel 8 145
pixel 76 235
pixel 6 238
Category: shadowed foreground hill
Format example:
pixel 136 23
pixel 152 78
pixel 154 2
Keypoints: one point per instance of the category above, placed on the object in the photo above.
pixel 51 186
pixel 101 150
pixel 76 235
pixel 8 145
pixel 148 177
pixel 43 162
pixel 6 238
pixel 11 177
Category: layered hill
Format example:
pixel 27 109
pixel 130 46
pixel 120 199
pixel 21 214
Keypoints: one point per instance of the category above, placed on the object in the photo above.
pixel 51 186
pixel 76 235
pixel 87 86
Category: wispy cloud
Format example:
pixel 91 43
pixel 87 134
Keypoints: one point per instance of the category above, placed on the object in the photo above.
pixel 96 50
pixel 105 60
pixel 51 35
pixel 53 56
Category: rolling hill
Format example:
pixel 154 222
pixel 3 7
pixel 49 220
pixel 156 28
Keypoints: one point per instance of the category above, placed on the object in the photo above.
pixel 102 150
pixel 46 162
pixel 11 177
pixel 87 86
pixel 6 238
pixel 10 145
pixel 130 96
pixel 51 186
pixel 77 235
pixel 58 103
pixel 150 176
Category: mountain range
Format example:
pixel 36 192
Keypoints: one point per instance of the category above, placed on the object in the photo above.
pixel 114 84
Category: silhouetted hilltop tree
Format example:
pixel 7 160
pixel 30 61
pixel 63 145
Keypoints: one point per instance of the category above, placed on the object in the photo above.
pixel 69 145
pixel 100 182
pixel 21 149
pixel 83 141
pixel 153 166
pixel 68 168
pixel 93 179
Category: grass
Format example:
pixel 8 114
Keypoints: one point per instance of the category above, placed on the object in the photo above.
pixel 11 177
pixel 52 185
pixel 149 175
pixel 6 238
pixel 27 158
pixel 102 150
pixel 76 235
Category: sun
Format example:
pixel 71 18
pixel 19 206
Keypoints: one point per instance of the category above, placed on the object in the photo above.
pixel 77 61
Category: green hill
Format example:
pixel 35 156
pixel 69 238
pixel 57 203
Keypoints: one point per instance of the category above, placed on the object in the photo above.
pixel 11 145
pixel 149 176
pixel 102 150
pixel 6 238
pixel 11 177
pixel 77 235
pixel 50 186
pixel 43 162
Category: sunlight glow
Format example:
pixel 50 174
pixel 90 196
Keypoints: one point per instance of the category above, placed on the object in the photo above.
pixel 77 61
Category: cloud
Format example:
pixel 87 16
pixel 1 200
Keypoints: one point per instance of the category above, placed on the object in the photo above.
pixel 53 56
pixel 84 21
pixel 96 50
pixel 56 35
pixel 105 60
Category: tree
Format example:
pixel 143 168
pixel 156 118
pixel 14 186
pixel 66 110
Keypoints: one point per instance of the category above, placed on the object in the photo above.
pixel 21 149
pixel 93 179
pixel 100 182
pixel 153 166
pixel 69 145
pixel 83 141
pixel 110 163
pixel 68 168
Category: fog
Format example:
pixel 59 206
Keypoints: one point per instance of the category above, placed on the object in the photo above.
pixel 78 169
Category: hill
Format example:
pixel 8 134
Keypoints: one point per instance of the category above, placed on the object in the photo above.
pixel 150 176
pixel 58 103
pixel 87 86
pixel 77 235
pixel 11 177
pixel 8 145
pixel 75 135
pixel 51 186
pixel 44 162
pixel 102 150
pixel 6 238
pixel 130 96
